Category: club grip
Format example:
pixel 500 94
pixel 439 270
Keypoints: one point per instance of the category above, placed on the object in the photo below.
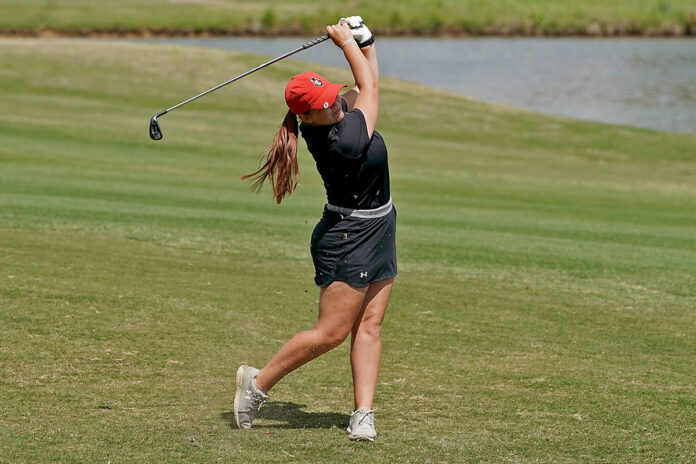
pixel 318 40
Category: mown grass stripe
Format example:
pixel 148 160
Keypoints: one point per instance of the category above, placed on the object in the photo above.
pixel 542 312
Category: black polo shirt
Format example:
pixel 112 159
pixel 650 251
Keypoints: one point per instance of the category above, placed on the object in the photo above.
pixel 353 166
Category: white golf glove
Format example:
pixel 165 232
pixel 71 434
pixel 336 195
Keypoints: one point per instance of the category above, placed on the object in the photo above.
pixel 361 33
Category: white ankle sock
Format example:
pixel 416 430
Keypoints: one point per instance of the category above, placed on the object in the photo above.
pixel 257 389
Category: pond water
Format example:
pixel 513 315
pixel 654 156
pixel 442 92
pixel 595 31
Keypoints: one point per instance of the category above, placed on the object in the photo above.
pixel 640 82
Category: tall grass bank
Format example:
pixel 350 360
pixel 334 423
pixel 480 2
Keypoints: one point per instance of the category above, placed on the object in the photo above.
pixel 303 17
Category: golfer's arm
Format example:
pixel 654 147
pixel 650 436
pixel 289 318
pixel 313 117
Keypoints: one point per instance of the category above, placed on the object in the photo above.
pixel 367 99
pixel 371 54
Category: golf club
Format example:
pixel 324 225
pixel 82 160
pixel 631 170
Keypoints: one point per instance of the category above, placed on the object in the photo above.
pixel 156 131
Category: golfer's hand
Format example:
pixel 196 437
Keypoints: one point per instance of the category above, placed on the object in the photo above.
pixel 360 31
pixel 340 33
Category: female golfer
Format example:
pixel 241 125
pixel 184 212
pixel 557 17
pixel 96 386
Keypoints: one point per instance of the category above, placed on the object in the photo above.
pixel 353 245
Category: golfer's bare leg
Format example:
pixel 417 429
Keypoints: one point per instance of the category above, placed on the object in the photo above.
pixel 366 343
pixel 339 306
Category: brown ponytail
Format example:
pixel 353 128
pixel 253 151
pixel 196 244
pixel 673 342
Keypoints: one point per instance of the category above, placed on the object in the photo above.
pixel 281 161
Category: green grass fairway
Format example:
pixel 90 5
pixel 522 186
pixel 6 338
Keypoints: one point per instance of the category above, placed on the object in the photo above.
pixel 500 17
pixel 545 310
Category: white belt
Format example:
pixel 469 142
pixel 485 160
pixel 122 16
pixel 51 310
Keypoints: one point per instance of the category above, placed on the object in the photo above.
pixel 362 213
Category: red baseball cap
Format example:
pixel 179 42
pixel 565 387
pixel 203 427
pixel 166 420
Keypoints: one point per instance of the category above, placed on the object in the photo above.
pixel 310 91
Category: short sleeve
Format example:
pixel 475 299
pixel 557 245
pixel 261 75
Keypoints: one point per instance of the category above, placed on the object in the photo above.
pixel 349 137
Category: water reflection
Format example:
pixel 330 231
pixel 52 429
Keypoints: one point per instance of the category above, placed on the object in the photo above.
pixel 641 82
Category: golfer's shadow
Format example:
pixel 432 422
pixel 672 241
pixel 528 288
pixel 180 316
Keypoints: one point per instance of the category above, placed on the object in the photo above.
pixel 291 416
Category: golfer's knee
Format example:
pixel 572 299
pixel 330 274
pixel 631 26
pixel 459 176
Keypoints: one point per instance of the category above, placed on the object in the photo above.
pixel 370 329
pixel 333 337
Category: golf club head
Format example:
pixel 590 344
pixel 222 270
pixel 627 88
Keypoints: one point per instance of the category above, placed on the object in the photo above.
pixel 155 131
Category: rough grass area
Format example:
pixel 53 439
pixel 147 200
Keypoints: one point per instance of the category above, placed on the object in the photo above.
pixel 422 17
pixel 544 311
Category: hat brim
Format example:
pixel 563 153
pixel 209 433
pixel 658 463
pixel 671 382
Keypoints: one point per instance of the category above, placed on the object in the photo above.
pixel 328 96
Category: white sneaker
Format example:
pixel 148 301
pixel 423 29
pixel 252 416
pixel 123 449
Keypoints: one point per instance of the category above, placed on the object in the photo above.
pixel 248 399
pixel 362 425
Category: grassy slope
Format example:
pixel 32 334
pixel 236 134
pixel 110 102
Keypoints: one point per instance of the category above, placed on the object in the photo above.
pixel 544 310
pixel 402 16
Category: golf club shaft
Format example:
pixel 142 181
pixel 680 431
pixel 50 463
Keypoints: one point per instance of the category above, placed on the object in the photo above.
pixel 298 49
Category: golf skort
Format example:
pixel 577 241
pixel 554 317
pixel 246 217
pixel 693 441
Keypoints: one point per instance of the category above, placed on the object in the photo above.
pixel 354 245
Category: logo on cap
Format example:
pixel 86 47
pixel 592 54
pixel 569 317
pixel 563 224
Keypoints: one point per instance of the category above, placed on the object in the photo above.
pixel 316 81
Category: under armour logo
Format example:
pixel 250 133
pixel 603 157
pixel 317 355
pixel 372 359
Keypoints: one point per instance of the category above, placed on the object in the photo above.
pixel 363 275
